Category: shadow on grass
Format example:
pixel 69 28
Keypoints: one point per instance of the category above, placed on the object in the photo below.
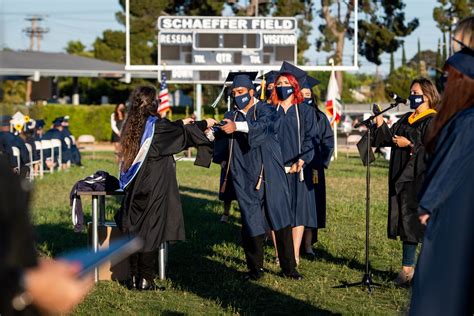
pixel 323 254
pixel 195 267
pixel 58 238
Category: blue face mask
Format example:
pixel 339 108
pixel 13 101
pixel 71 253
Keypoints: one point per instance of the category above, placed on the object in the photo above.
pixel 268 93
pixel 284 92
pixel 308 101
pixel 415 101
pixel 242 101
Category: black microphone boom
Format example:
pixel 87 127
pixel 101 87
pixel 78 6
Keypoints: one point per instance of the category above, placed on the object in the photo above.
pixel 397 98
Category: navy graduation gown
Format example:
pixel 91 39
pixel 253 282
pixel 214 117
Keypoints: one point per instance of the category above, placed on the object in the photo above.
pixel 54 133
pixel 268 207
pixel 303 201
pixel 75 154
pixel 11 140
pixel 323 150
pixel 444 276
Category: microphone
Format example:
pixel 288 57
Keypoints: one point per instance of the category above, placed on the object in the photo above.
pixel 397 98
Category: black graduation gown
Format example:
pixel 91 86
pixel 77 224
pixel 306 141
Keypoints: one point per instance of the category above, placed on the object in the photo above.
pixel 268 207
pixel 151 207
pixel 17 245
pixel 303 201
pixel 323 149
pixel 444 276
pixel 406 175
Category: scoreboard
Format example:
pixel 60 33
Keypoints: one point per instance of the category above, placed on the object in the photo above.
pixel 217 41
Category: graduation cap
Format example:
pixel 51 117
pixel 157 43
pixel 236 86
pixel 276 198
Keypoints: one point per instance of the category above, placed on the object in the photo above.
pixel 270 76
pixel 237 79
pixel 241 79
pixel 463 61
pixel 5 120
pixel 299 74
pixel 57 121
pixel 310 82
pixel 40 123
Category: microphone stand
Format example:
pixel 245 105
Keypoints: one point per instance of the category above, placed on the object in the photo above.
pixel 367 277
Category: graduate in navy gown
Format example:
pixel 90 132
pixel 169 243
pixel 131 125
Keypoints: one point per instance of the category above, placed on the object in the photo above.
pixel 269 79
pixel 74 151
pixel 296 130
pixel 323 150
pixel 11 140
pixel 56 132
pixel 444 277
pixel 258 177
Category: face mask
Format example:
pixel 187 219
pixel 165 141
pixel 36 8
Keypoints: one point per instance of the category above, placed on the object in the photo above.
pixel 242 101
pixel 415 101
pixel 284 92
pixel 308 101
pixel 268 93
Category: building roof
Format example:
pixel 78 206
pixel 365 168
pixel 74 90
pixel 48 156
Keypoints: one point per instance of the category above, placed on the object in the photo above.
pixel 29 63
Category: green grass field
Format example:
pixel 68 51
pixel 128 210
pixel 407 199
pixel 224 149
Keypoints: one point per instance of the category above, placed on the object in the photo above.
pixel 205 272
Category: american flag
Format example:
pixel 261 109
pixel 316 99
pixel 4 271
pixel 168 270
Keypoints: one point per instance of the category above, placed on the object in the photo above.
pixel 164 98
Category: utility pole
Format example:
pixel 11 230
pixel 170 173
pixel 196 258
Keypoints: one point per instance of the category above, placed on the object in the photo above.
pixel 35 31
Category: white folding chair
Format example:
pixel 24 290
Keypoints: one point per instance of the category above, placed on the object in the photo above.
pixel 39 147
pixel 32 162
pixel 45 145
pixel 16 154
pixel 68 144
pixel 57 144
pixel 86 142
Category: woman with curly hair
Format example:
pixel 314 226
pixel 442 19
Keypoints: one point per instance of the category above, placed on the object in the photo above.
pixel 151 208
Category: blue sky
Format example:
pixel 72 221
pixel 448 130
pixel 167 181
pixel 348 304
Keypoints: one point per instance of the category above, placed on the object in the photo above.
pixel 86 19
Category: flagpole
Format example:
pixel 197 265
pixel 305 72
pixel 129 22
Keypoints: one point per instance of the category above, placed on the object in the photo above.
pixel 334 111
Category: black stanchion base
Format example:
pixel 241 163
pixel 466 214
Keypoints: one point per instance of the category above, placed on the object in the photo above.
pixel 366 282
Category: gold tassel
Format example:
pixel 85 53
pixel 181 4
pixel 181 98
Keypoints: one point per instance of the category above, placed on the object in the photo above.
pixel 263 84
pixel 260 180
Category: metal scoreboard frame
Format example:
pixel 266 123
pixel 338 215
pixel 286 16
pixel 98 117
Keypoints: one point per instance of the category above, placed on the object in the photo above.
pixel 257 43
pixel 226 67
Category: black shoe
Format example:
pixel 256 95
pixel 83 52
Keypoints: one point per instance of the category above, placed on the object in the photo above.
pixel 309 256
pixel 147 285
pixel 293 275
pixel 132 283
pixel 254 274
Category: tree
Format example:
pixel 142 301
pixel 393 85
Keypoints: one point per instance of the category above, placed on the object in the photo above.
pixel 419 57
pixel 111 46
pixel 399 81
pixel 448 13
pixel 14 91
pixel 445 47
pixel 392 62
pixel 427 56
pixel 381 28
pixel 302 10
pixel 404 55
